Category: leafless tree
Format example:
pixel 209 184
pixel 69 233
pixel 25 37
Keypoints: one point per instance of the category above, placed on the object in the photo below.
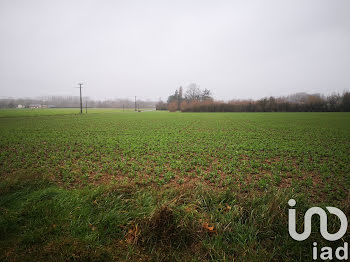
pixel 193 93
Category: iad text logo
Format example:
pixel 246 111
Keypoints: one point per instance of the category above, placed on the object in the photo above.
pixel 341 253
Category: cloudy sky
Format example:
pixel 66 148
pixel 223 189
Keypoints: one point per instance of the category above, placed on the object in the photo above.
pixel 237 49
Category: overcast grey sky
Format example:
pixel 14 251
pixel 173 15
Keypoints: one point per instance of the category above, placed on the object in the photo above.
pixel 237 49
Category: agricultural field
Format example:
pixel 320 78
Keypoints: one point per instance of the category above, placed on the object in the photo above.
pixel 159 186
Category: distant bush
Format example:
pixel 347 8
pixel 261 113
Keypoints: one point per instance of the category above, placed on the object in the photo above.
pixel 172 107
pixel 346 102
pixel 161 106
pixel 302 103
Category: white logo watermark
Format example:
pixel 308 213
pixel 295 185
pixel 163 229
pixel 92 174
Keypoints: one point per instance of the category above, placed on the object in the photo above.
pixel 341 253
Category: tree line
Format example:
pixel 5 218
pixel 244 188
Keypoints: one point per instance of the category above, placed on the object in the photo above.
pixel 177 101
pixel 196 100
pixel 72 102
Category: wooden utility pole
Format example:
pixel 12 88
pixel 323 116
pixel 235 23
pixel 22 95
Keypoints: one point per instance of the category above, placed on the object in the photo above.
pixel 81 100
